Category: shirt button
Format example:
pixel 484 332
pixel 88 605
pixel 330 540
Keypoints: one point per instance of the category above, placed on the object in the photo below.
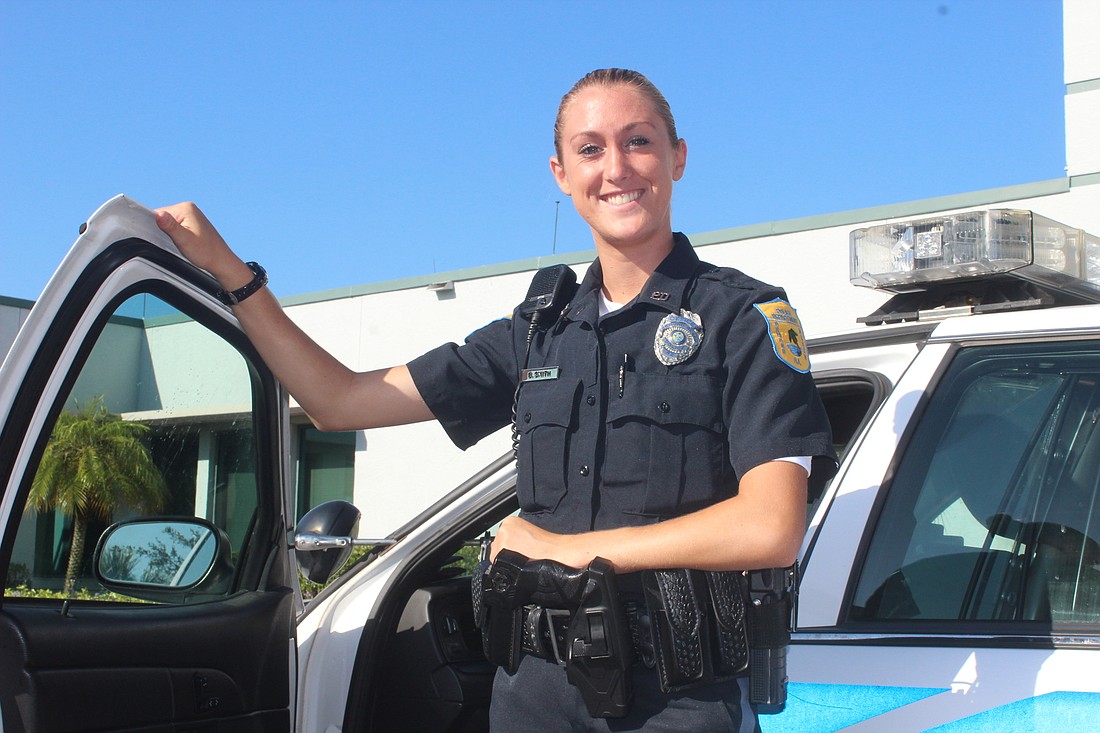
pixel 527 417
pixel 591 399
pixel 584 470
pixel 663 407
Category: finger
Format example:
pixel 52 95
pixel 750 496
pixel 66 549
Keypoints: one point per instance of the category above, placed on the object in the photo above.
pixel 166 221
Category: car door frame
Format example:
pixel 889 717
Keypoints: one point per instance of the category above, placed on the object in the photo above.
pixel 228 663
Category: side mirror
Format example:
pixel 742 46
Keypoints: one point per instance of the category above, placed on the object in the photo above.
pixel 164 559
pixel 324 538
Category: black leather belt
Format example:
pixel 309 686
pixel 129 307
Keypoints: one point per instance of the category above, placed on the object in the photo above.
pixel 546 633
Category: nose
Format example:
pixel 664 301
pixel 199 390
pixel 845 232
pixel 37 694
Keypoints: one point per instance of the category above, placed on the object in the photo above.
pixel 618 164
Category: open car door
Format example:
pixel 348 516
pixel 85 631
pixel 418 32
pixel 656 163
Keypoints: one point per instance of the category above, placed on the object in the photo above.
pixel 143 529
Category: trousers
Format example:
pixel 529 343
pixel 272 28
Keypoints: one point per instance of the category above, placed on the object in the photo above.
pixel 538 697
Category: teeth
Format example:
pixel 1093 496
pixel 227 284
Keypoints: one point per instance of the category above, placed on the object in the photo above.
pixel 619 199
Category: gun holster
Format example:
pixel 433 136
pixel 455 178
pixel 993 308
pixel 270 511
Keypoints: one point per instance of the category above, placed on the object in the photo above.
pixel 597 649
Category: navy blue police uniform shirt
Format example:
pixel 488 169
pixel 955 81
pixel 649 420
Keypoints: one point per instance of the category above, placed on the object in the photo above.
pixel 611 435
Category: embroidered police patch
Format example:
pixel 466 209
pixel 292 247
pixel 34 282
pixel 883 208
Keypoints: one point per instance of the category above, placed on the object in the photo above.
pixel 678 337
pixel 786 334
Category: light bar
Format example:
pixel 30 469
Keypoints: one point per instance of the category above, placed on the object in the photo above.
pixel 906 256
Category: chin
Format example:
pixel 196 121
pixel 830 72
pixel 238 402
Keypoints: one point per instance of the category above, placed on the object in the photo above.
pixel 628 236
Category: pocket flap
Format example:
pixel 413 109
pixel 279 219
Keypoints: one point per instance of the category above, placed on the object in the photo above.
pixel 546 403
pixel 669 399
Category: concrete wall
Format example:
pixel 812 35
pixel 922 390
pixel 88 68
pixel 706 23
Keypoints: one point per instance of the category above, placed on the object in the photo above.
pixel 1081 23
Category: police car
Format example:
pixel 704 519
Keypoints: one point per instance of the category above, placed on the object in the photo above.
pixel 950 575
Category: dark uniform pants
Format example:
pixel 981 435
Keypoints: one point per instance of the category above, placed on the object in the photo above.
pixel 539 698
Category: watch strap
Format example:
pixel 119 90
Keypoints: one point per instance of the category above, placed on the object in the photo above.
pixel 233 297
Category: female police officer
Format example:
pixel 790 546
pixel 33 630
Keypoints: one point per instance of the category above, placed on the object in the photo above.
pixel 675 424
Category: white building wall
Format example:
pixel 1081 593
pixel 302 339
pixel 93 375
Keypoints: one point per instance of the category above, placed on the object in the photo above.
pixel 1081 31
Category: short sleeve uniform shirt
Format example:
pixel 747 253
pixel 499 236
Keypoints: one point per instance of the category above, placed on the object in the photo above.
pixel 646 413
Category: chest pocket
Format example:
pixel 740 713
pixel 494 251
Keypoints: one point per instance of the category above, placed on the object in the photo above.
pixel 544 417
pixel 666 445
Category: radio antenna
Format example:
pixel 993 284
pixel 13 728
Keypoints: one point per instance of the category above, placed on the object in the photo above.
pixel 554 247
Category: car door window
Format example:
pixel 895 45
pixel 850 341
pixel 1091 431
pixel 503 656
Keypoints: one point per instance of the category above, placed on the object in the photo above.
pixel 159 422
pixel 849 396
pixel 993 513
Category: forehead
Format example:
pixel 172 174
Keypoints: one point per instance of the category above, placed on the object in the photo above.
pixel 608 106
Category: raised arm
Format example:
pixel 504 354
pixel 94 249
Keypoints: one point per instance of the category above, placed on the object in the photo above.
pixel 334 396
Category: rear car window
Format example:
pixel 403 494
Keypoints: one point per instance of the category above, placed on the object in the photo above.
pixel 993 513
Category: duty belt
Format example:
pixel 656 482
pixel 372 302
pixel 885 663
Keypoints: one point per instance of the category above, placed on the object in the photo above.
pixel 546 633
pixel 691 627
pixel 593 646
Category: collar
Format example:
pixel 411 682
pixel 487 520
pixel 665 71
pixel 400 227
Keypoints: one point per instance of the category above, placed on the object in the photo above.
pixel 665 288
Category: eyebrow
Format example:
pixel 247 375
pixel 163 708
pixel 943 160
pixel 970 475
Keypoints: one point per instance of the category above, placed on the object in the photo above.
pixel 628 128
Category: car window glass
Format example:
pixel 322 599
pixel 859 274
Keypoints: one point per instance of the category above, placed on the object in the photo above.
pixel 326 466
pixel 158 423
pixel 994 511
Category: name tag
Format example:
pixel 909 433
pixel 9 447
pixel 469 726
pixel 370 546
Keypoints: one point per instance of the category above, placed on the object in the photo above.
pixel 539 375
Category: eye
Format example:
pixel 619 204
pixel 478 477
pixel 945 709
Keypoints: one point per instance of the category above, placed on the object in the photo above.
pixel 588 150
pixel 638 141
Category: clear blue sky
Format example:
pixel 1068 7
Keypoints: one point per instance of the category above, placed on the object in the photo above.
pixel 342 143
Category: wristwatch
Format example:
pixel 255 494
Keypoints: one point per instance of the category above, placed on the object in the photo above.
pixel 233 297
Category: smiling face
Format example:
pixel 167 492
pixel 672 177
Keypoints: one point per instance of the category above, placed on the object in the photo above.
pixel 618 165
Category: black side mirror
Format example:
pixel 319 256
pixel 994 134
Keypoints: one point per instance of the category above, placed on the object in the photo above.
pixel 324 538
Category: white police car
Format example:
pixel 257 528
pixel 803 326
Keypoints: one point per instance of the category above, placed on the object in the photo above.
pixel 950 574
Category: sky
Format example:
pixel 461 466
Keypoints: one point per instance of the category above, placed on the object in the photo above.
pixel 342 143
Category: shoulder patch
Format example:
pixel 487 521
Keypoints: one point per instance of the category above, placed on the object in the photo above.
pixel 785 331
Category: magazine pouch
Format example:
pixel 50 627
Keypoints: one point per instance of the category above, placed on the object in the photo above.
pixel 698 622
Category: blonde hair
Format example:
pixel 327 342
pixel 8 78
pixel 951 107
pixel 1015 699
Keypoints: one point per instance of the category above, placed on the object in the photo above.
pixel 611 77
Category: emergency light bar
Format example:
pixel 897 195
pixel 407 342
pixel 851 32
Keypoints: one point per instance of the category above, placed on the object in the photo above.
pixel 913 255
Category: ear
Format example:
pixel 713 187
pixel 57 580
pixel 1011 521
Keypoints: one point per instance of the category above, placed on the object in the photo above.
pixel 680 157
pixel 559 175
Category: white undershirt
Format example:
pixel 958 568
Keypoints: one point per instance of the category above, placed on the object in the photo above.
pixel 607 306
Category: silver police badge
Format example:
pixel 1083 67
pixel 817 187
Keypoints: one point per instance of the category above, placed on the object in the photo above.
pixel 678 337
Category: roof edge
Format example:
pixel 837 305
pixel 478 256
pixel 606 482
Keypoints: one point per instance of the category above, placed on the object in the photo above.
pixel 16 302
pixel 750 231
pixel 887 211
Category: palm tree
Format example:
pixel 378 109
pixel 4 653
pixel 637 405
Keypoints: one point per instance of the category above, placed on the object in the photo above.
pixel 94 464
